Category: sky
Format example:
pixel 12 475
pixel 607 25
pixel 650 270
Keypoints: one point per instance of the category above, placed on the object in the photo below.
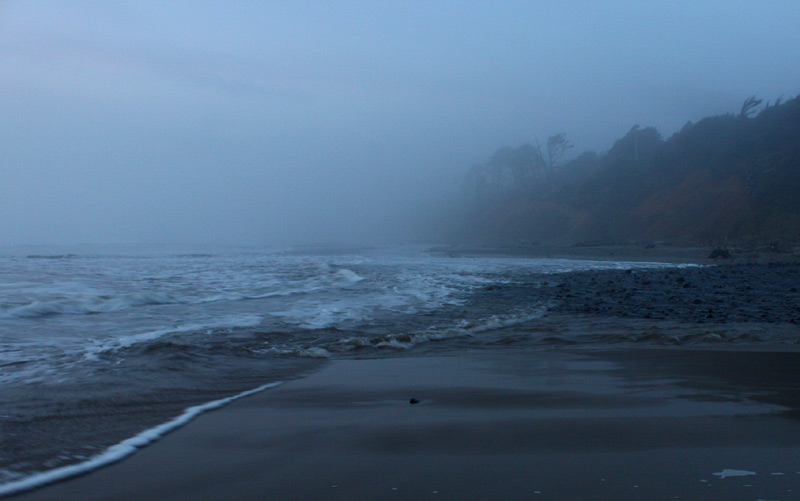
pixel 285 122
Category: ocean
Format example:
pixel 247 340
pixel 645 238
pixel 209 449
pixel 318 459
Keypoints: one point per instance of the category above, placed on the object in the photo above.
pixel 109 347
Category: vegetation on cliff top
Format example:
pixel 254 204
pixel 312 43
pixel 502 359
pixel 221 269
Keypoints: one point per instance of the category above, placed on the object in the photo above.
pixel 734 176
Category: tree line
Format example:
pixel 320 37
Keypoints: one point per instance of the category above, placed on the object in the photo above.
pixel 734 175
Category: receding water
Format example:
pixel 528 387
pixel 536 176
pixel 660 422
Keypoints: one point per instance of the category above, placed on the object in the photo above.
pixel 99 345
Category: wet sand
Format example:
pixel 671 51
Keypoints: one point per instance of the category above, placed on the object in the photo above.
pixel 494 424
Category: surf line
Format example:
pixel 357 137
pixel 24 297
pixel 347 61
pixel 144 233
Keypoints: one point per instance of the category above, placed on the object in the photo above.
pixel 123 449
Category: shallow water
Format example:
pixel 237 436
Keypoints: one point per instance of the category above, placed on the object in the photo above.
pixel 100 344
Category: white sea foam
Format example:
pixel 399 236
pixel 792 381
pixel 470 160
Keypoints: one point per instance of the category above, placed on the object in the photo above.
pixel 88 304
pixel 733 473
pixel 127 341
pixel 407 291
pixel 314 352
pixel 123 449
pixel 161 286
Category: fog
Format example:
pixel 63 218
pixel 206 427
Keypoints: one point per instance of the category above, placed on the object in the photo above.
pixel 295 122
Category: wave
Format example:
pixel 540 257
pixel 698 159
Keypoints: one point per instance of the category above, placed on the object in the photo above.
pixel 230 322
pixel 89 304
pixel 52 256
pixel 691 336
pixel 120 451
pixel 57 362
pixel 526 328
pixel 406 341
pixel 347 275
pixel 330 343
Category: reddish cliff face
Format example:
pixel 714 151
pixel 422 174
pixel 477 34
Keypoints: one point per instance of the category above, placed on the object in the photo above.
pixel 699 208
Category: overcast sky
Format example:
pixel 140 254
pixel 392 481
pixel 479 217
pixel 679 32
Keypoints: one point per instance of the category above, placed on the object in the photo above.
pixel 263 122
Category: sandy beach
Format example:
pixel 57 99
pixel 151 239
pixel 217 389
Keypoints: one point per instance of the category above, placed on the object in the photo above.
pixel 504 424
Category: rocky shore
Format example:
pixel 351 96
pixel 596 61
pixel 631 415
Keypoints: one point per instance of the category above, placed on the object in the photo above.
pixel 747 292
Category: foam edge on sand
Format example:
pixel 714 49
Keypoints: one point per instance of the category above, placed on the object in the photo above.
pixel 123 449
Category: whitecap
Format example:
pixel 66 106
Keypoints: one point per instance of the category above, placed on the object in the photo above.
pixel 348 276
pixel 314 352
pixel 733 473
pixel 88 304
pixel 143 337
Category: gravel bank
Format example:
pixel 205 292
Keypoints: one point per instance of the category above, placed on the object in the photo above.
pixel 748 292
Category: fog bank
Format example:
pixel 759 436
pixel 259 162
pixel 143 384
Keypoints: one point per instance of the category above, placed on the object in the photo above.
pixel 297 122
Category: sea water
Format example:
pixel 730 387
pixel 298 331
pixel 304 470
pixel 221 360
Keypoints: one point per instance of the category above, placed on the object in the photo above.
pixel 100 345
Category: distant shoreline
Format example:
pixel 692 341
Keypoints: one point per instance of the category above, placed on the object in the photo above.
pixel 635 252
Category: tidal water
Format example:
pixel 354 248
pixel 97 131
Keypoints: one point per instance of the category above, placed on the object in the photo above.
pixel 97 345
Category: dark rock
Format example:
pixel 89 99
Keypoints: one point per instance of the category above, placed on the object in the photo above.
pixel 413 401
pixel 719 254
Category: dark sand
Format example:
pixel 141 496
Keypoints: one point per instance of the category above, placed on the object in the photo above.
pixel 502 424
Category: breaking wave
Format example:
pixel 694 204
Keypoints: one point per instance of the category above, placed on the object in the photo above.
pixel 227 323
pixel 87 305
pixel 77 303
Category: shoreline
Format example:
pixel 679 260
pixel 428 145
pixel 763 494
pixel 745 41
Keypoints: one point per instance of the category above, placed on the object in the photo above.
pixel 642 319
pixel 722 294
pixel 122 450
pixel 635 252
pixel 554 424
